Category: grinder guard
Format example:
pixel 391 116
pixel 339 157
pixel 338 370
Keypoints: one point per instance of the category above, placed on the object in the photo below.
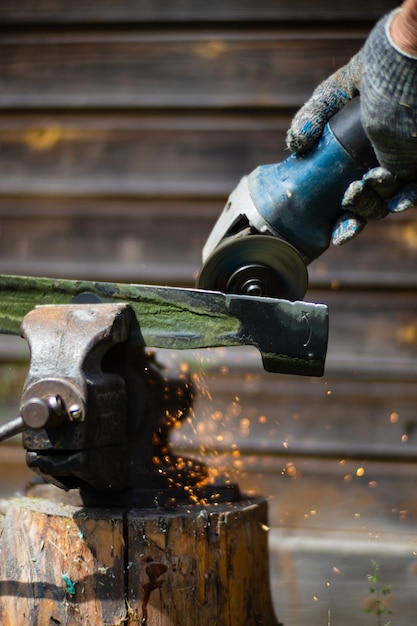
pixel 296 202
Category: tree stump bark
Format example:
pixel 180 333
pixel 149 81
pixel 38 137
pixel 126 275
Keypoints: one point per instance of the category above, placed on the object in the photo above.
pixel 192 566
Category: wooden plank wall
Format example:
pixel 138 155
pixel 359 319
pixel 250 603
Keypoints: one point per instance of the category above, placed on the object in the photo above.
pixel 123 127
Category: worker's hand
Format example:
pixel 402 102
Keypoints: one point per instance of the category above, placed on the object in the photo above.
pixel 327 99
pixel 385 76
pixel 373 197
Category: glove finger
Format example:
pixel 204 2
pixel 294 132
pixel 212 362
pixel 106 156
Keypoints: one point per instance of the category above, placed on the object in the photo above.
pixel 347 227
pixel 364 201
pixel 382 181
pixel 328 98
pixel 306 127
pixel 406 199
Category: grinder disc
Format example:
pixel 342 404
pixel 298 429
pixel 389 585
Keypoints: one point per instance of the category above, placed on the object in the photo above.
pixel 255 265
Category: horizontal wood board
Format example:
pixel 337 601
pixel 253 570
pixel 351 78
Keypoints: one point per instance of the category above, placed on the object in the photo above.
pixel 159 240
pixel 176 69
pixel 139 11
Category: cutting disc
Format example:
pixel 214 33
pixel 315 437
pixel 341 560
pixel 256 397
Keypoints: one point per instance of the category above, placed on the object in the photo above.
pixel 255 265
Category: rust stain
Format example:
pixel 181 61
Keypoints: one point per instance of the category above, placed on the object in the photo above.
pixel 154 572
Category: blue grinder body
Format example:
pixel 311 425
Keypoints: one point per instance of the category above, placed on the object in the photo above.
pixel 301 197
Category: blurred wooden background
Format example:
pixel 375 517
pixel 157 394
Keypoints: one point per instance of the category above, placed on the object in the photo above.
pixel 123 127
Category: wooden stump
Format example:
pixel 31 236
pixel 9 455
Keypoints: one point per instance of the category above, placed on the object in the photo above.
pixel 193 566
pixel 60 564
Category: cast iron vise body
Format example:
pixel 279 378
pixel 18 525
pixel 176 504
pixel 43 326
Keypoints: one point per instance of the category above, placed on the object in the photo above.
pixel 98 410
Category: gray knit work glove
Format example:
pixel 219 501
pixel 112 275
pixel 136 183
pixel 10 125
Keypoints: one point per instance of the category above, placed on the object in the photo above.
pixel 386 79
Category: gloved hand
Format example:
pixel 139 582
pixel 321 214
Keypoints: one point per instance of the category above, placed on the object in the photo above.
pixel 386 79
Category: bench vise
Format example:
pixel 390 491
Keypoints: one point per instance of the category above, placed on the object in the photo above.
pixel 97 408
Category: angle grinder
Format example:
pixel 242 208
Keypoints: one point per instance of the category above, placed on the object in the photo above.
pixel 280 217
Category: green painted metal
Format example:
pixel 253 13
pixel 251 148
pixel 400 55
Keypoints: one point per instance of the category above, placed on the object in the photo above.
pixel 291 336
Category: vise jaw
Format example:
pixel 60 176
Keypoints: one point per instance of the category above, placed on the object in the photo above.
pixel 98 410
